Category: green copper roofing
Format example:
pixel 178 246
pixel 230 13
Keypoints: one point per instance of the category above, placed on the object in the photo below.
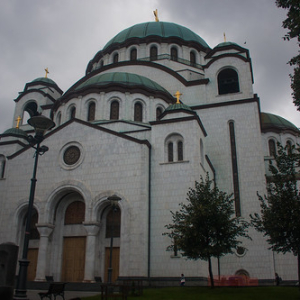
pixel 44 79
pixel 126 79
pixel 274 121
pixel 178 106
pixel 224 44
pixel 16 132
pixel 160 29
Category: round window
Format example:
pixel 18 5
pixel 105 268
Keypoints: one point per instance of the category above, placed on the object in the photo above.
pixel 71 155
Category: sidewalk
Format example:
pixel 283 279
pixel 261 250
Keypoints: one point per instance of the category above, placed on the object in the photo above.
pixel 34 294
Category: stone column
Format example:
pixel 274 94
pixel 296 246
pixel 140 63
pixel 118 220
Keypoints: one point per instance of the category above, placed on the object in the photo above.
pixel 92 229
pixel 45 231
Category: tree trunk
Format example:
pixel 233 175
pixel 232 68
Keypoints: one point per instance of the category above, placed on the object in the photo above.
pixel 210 273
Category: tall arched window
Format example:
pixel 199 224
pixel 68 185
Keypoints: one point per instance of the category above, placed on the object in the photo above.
pixel 133 54
pixel 58 119
pixel 2 166
pixel 174 54
pixel 289 147
pixel 138 112
pixel 75 213
pixel 116 58
pixel 91 111
pixel 201 152
pixel 192 58
pixel 113 223
pixel 114 110
pixel 158 112
pixel 72 112
pixel 153 53
pixel 235 172
pixel 180 150
pixel 272 147
pixel 170 152
pixel 228 82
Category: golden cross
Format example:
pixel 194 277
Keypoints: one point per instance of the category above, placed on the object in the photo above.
pixel 18 121
pixel 224 37
pixel 177 94
pixel 47 72
pixel 156 15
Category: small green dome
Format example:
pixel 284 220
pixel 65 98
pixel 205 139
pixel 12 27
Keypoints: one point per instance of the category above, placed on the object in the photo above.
pixel 122 78
pixel 178 106
pixel 225 44
pixel 157 29
pixel 16 132
pixel 271 122
pixel 44 80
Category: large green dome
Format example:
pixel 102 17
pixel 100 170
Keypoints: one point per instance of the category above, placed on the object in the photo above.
pixel 121 78
pixel 270 122
pixel 156 29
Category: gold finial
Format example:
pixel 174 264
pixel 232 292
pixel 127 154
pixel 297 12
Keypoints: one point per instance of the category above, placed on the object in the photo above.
pixel 47 72
pixel 18 122
pixel 224 37
pixel 156 15
pixel 177 94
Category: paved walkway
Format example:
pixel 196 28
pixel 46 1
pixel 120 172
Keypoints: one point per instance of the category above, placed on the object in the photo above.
pixel 34 295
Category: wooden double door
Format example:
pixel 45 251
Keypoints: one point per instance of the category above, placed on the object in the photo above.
pixel 74 260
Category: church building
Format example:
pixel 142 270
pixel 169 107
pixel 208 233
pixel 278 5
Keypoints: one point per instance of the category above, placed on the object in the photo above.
pixel 157 109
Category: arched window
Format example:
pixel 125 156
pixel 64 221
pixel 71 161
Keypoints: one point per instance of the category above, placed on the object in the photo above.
pixel 228 82
pixel 116 58
pixel 174 148
pixel 180 150
pixel 138 112
pixel 170 152
pixel 72 112
pixel 75 213
pixel 158 112
pixel 33 232
pixel 91 111
pixel 272 147
pixel 153 53
pixel 101 63
pixel 2 166
pixel 30 110
pixel 192 58
pixel 114 110
pixel 201 152
pixel 289 147
pixel 174 54
pixel 235 171
pixel 133 54
pixel 113 223
pixel 58 119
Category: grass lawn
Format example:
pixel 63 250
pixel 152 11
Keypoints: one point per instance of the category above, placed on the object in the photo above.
pixel 205 293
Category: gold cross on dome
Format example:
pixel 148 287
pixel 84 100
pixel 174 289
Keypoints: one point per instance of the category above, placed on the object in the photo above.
pixel 177 95
pixel 156 15
pixel 47 72
pixel 18 121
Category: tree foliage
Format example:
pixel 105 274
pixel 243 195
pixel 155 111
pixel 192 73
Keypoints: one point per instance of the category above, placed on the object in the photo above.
pixel 280 208
pixel 292 23
pixel 205 225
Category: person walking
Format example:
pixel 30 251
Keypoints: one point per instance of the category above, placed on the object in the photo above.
pixel 182 280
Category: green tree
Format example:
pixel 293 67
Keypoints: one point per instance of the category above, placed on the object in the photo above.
pixel 205 226
pixel 279 218
pixel 292 23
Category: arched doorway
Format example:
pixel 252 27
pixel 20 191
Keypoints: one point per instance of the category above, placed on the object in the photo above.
pixel 74 244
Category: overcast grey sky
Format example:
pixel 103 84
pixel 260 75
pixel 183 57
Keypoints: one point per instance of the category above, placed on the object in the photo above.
pixel 64 35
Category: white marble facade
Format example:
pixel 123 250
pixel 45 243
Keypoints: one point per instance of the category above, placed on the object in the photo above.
pixel 128 155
